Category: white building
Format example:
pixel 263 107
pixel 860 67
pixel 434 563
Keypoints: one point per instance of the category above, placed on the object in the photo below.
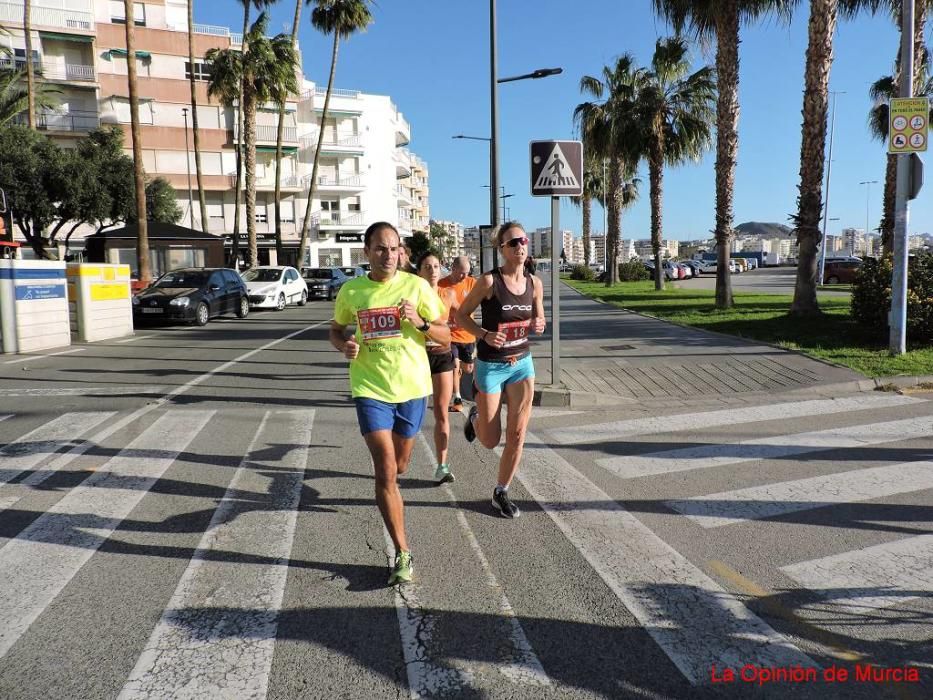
pixel 454 243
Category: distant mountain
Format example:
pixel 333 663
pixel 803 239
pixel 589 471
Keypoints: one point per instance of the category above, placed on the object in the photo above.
pixel 763 230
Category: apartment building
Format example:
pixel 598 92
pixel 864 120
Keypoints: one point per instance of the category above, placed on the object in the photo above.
pixel 455 243
pixel 365 173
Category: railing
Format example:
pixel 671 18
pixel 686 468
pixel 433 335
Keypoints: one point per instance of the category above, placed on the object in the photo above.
pixel 331 181
pixel 53 71
pixel 67 121
pixel 402 191
pixel 265 132
pixel 337 218
pixel 268 181
pixel 47 16
pixel 336 92
pixel 332 141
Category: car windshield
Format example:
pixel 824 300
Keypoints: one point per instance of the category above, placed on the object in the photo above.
pixel 183 278
pixel 349 271
pixel 317 273
pixel 258 274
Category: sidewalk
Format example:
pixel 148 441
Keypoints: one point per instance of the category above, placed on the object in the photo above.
pixel 610 356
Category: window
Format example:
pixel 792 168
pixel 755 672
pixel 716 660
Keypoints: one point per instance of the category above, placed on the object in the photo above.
pixel 118 13
pixel 19 59
pixel 215 210
pixel 201 71
pixel 287 211
pixel 329 257
pixel 262 216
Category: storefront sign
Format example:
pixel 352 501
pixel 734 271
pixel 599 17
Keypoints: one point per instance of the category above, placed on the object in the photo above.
pixel 349 238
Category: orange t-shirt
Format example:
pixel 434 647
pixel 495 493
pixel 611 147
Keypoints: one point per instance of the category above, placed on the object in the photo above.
pixel 461 290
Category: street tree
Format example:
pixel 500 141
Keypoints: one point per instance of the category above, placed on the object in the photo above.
pixel 267 72
pixel 14 96
pixel 139 176
pixel 199 173
pixel 719 21
pixel 592 189
pixel 343 19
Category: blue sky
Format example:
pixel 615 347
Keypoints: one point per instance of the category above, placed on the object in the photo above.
pixel 432 57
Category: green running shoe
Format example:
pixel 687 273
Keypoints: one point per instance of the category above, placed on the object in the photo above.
pixel 403 570
pixel 442 474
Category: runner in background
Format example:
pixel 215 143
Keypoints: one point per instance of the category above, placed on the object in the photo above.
pixel 442 366
pixel 463 343
pixel 512 303
pixel 389 372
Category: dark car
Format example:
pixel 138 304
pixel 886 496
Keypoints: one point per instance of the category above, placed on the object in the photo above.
pixel 840 271
pixel 352 272
pixel 192 295
pixel 323 281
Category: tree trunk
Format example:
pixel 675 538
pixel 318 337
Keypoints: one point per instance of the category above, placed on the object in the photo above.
pixel 616 197
pixel 238 145
pixel 30 70
pixel 279 137
pixel 819 61
pixel 142 242
pixel 249 138
pixel 727 141
pixel 655 177
pixel 586 203
pixel 306 225
pixel 194 122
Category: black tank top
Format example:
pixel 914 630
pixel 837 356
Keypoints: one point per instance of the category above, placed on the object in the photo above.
pixel 510 313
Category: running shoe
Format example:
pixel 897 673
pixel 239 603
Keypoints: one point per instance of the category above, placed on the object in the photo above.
pixel 442 474
pixel 457 405
pixel 501 500
pixel 403 570
pixel 469 432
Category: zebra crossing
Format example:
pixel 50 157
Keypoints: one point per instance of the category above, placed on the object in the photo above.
pixel 217 635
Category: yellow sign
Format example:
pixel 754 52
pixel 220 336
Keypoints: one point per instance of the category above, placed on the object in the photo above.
pixel 107 291
pixel 908 124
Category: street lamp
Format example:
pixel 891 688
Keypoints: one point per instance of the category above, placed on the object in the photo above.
pixel 869 183
pixel 829 168
pixel 184 112
pixel 504 197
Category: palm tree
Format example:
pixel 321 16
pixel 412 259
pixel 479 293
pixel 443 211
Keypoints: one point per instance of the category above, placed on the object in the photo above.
pixel 14 97
pixel 266 70
pixel 609 123
pixel 194 122
pixel 675 109
pixel 592 189
pixel 279 137
pixel 342 18
pixel 30 70
pixel 719 20
pixel 139 176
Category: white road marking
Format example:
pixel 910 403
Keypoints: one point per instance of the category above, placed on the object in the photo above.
pixel 706 456
pixel 40 561
pixel 692 618
pixel 4 416
pixel 653 425
pixel 539 412
pixel 217 635
pixel 83 391
pixel 30 358
pixel 29 450
pixel 134 338
pixel 522 664
pixel 872 578
pixel 771 500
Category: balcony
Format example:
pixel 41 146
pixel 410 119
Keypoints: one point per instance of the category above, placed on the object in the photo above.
pixel 402 160
pixel 74 121
pixel 53 71
pixel 329 183
pixel 12 13
pixel 333 220
pixel 403 194
pixel 336 143
pixel 265 134
pixel 267 183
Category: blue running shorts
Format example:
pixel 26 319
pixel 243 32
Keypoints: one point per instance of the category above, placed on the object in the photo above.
pixel 403 419
pixel 492 377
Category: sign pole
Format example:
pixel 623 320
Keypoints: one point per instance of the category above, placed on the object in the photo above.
pixel 555 292
pixel 897 342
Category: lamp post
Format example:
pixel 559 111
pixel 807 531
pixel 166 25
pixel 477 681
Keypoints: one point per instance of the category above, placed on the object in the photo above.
pixel 829 167
pixel 504 197
pixel 605 225
pixel 869 183
pixel 184 112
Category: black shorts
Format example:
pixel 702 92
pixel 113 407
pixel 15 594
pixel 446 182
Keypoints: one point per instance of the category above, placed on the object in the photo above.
pixel 463 351
pixel 440 362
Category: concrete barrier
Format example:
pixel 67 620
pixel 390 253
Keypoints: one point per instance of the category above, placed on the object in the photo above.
pixel 33 305
pixel 99 301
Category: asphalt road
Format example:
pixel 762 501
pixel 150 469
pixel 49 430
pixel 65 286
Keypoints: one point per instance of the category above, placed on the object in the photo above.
pixel 767 280
pixel 190 514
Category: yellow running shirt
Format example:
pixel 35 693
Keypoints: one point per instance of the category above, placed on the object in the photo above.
pixel 392 365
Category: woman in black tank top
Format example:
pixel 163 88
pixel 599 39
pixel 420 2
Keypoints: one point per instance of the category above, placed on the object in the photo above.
pixel 512 308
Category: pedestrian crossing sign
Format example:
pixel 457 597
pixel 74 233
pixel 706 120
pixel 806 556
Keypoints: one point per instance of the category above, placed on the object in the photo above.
pixel 556 168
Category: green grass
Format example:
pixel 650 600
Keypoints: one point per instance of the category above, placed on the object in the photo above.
pixel 832 336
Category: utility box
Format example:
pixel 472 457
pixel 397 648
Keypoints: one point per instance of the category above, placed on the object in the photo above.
pixel 99 305
pixel 33 305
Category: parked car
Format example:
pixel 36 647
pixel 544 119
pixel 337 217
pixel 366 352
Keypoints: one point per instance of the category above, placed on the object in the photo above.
pixel 708 266
pixel 671 272
pixel 352 272
pixel 193 295
pixel 274 287
pixel 695 267
pixel 733 267
pixel 323 281
pixel 840 271
pixel 741 264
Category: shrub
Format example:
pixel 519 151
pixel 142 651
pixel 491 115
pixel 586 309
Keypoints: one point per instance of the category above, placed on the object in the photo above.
pixel 582 272
pixel 633 271
pixel 871 297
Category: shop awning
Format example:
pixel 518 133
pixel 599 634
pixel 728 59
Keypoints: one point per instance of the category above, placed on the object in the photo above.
pixel 77 38
pixel 271 149
pixel 124 52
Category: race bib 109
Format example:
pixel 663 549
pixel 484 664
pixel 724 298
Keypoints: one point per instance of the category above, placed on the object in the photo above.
pixel 379 324
pixel 516 332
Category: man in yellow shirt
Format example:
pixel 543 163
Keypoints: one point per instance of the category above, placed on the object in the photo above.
pixel 390 378
pixel 463 344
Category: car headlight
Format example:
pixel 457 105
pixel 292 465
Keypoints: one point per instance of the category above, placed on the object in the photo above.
pixel 180 301
pixel 135 301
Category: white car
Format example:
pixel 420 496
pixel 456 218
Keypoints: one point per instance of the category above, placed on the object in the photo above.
pixel 274 287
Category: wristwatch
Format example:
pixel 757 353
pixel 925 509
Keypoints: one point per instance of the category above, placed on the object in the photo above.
pixel 424 328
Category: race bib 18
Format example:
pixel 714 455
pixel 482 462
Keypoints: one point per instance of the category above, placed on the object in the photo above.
pixel 379 324
pixel 516 332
